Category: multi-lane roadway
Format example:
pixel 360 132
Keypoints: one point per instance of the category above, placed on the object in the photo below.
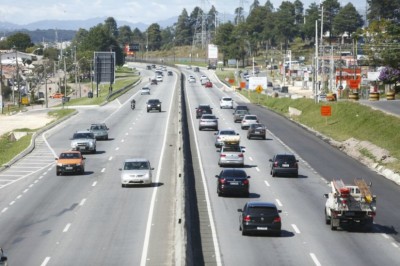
pixel 91 220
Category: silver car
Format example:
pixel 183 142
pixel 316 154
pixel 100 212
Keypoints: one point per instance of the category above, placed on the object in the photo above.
pixel 208 121
pixel 137 171
pixel 145 90
pixel 247 120
pixel 100 131
pixel 231 155
pixel 83 141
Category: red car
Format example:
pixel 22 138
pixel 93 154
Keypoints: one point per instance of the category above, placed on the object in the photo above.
pixel 208 84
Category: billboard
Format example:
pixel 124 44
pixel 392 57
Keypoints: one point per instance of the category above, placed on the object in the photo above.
pixel 212 51
pixel 104 67
pixel 255 82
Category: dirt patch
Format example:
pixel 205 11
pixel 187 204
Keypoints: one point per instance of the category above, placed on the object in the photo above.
pixel 366 152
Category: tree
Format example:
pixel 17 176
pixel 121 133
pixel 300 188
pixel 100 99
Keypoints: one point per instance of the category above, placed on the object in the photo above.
pixel 239 15
pixel 19 40
pixel 383 9
pixel 154 37
pixel 347 20
pixel 254 5
pixel 125 35
pixel 183 31
pixel 285 29
pixel 331 9
pixel 312 14
pixel 223 39
pixel 110 26
pixel 255 26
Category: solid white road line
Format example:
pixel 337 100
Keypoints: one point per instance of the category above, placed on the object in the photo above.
pixel 82 202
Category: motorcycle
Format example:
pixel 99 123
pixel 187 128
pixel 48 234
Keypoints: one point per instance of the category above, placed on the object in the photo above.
pixel 133 105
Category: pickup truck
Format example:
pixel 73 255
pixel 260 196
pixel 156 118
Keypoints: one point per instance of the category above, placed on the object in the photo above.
pixel 226 136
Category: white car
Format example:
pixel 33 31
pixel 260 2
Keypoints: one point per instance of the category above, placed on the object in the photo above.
pixel 145 90
pixel 226 102
pixel 192 79
pixel 248 120
pixel 137 171
pixel 159 78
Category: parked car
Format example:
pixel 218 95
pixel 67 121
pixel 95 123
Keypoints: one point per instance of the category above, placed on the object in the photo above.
pixel 100 131
pixel 136 171
pixel 145 90
pixel 226 102
pixel 284 164
pixel 233 181
pixel 231 154
pixel 83 141
pixel 247 120
pixel 226 135
pixel 57 95
pixel 153 104
pixel 208 121
pixel 70 162
pixel 260 218
pixel 203 109
pixel 257 130
pixel 239 114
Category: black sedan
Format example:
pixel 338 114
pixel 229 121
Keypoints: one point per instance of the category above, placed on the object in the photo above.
pixel 203 109
pixel 284 164
pixel 260 217
pixel 233 182
pixel 153 104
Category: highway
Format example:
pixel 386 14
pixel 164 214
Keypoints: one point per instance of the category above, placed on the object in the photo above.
pixel 306 239
pixel 90 219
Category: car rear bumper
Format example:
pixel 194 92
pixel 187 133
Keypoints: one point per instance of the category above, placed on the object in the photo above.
pixel 286 171
pixel 262 228
pixel 231 162
pixel 69 169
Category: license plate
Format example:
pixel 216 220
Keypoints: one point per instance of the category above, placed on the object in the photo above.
pixel 68 168
pixel 257 132
pixel 262 228
pixel 234 183
pixel 285 165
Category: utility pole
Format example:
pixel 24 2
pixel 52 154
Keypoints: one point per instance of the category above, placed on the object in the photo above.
pixel 1 85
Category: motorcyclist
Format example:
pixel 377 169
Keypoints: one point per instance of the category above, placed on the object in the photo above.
pixel 133 104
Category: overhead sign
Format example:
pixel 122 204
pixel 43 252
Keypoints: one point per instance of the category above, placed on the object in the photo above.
pixel 212 51
pixel 104 67
pixel 254 82
pixel 326 110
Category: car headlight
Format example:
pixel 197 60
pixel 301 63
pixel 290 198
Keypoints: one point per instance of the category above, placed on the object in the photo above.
pixel 158 105
pixel 148 105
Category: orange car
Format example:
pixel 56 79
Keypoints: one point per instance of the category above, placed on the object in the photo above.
pixel 70 162
pixel 57 95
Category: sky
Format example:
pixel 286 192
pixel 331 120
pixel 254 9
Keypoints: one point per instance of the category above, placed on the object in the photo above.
pixel 147 11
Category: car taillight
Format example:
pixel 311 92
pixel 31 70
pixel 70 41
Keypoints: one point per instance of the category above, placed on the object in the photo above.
pixel 222 155
pixel 222 180
pixel 277 219
pixel 245 182
pixel 241 155
pixel 218 138
pixel 247 218
pixel 372 214
pixel 244 121
pixel 275 163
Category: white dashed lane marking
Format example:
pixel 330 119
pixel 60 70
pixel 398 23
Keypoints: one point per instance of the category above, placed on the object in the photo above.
pixel 296 229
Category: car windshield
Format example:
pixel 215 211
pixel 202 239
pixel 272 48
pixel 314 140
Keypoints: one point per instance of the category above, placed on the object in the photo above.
pixel 136 166
pixel 70 155
pixel 154 101
pixel 285 158
pixel 262 210
pixel 251 118
pixel 227 132
pixel 241 112
pixel 232 148
pixel 227 99
pixel 208 117
pixel 233 173
pixel 83 136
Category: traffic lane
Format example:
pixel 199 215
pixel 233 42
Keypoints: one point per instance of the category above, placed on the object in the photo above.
pixel 317 197
pixel 391 107
pixel 331 163
pixel 116 217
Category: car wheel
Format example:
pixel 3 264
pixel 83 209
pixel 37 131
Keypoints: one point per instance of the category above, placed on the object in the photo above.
pixel 122 185
pixel 248 137
pixel 200 128
pixel 242 127
pixel 273 173
pixel 327 219
pixel 58 173
pixel 159 110
pixel 244 232
pixel 333 228
pixel 94 151
pixel 147 110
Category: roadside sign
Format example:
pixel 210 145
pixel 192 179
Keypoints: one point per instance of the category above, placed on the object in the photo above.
pixel 326 110
pixel 259 89
pixel 254 82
